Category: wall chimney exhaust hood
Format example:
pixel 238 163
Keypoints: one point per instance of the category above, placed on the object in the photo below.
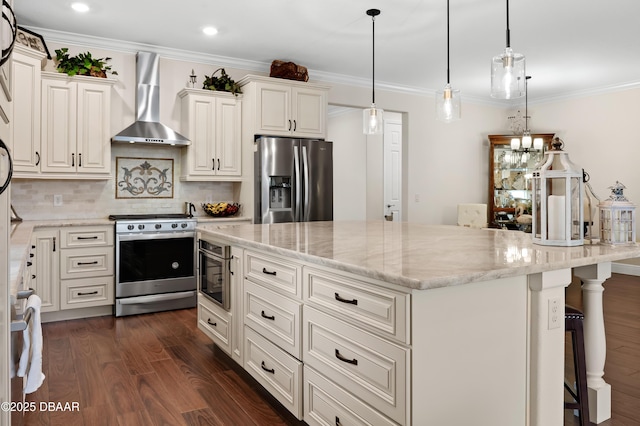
pixel 147 128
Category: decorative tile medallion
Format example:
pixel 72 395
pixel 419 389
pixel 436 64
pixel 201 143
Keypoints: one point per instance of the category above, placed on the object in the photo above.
pixel 144 177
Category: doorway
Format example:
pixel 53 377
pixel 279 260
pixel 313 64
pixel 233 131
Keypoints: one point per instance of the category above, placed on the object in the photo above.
pixel 367 174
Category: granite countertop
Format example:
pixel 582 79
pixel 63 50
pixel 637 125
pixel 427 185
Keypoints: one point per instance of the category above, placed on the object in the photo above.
pixel 415 255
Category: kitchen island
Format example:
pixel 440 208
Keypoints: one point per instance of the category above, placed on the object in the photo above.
pixel 471 327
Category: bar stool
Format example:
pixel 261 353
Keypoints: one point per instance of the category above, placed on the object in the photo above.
pixel 573 320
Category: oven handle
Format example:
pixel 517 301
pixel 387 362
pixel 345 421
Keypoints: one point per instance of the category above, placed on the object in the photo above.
pixel 156 298
pixel 159 236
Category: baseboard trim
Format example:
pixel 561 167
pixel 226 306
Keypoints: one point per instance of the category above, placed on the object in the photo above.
pixel 625 268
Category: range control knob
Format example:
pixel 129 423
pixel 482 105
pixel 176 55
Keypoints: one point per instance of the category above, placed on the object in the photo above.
pixel 184 225
pixel 174 225
pixel 130 227
pixel 140 226
pixel 158 226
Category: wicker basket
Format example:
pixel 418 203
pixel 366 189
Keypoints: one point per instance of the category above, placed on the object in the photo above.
pixel 289 71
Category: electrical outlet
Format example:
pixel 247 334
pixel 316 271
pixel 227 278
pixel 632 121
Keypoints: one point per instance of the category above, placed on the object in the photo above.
pixel 556 313
pixel 57 200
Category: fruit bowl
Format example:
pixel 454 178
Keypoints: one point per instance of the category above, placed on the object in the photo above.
pixel 221 209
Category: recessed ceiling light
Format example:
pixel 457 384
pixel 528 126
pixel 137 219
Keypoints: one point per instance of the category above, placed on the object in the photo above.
pixel 80 7
pixel 210 31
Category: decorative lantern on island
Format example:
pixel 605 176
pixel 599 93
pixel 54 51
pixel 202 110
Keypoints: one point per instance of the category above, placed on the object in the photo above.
pixel 557 210
pixel 617 218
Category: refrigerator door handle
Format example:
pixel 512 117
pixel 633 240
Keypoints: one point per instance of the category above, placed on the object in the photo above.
pixel 296 170
pixel 305 177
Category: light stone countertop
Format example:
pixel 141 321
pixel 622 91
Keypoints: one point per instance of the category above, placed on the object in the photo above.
pixel 415 255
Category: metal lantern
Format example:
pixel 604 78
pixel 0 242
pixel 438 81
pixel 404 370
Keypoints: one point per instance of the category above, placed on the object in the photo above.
pixel 590 203
pixel 617 218
pixel 557 208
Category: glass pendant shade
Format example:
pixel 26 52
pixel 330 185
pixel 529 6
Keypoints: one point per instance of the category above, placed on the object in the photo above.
pixel 515 144
pixel 508 75
pixel 526 140
pixel 448 104
pixel 617 218
pixel 557 207
pixel 372 120
pixel 538 143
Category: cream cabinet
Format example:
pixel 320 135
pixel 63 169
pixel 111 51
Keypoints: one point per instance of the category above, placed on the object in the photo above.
pixel 75 126
pixel 212 121
pixel 45 264
pixel 86 266
pixel 225 328
pixel 26 71
pixel 286 108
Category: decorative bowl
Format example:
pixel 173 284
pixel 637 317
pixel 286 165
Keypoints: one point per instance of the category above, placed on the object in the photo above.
pixel 221 209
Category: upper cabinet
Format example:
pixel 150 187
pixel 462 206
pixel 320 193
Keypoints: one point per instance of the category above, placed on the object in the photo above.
pixel 26 71
pixel 285 107
pixel 510 173
pixel 213 122
pixel 76 121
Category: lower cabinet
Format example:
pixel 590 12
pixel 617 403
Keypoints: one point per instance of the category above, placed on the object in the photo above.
pixel 326 404
pixel 73 267
pixel 275 369
pixel 215 322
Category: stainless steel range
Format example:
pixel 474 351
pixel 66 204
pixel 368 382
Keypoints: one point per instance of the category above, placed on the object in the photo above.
pixel 155 263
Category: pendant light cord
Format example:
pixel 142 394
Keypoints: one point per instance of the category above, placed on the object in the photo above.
pixel 508 32
pixel 526 103
pixel 373 61
pixel 448 73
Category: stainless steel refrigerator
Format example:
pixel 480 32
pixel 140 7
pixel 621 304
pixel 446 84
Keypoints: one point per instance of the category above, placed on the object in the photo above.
pixel 293 180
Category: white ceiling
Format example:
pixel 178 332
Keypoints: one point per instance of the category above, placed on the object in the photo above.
pixel 572 47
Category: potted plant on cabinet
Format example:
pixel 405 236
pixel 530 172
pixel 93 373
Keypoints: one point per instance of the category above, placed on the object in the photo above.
pixel 82 64
pixel 224 83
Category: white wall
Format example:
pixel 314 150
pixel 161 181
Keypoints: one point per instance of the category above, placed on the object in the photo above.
pixel 349 165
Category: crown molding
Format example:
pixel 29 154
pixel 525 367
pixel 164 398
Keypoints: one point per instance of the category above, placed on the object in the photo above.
pixel 319 76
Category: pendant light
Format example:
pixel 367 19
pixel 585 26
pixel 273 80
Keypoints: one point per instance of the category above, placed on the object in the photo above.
pixel 448 100
pixel 527 141
pixel 372 118
pixel 507 71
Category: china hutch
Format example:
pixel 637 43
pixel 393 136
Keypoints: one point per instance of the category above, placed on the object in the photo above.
pixel 510 174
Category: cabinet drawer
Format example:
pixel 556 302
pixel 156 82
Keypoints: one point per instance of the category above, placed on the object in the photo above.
pixel 85 236
pixel 375 308
pixel 326 404
pixel 278 274
pixel 275 317
pixel 372 368
pixel 86 292
pixel 278 372
pixel 86 262
pixel 215 323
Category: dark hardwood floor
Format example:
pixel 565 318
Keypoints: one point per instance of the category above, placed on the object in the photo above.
pixel 154 369
pixel 159 369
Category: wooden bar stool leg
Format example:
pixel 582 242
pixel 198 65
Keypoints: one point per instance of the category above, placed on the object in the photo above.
pixel 574 324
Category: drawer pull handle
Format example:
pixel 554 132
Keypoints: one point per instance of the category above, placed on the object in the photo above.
pixel 88 294
pixel 343 359
pixel 95 237
pixel 215 324
pixel 272 317
pixel 338 421
pixel 95 262
pixel 268 370
pixel 264 271
pixel 29 263
pixel 340 299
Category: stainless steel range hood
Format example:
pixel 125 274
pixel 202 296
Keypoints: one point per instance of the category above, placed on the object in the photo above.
pixel 147 129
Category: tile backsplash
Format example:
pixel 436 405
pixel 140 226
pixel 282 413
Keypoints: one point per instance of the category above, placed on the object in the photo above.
pixel 33 198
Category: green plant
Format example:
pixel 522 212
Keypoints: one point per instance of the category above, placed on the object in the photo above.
pixel 223 83
pixel 82 64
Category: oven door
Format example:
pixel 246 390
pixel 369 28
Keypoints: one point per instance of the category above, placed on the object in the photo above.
pixel 214 277
pixel 157 263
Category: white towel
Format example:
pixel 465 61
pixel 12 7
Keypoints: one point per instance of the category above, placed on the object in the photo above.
pixel 31 357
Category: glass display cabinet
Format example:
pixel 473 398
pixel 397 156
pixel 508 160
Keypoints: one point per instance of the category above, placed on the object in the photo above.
pixel 510 171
